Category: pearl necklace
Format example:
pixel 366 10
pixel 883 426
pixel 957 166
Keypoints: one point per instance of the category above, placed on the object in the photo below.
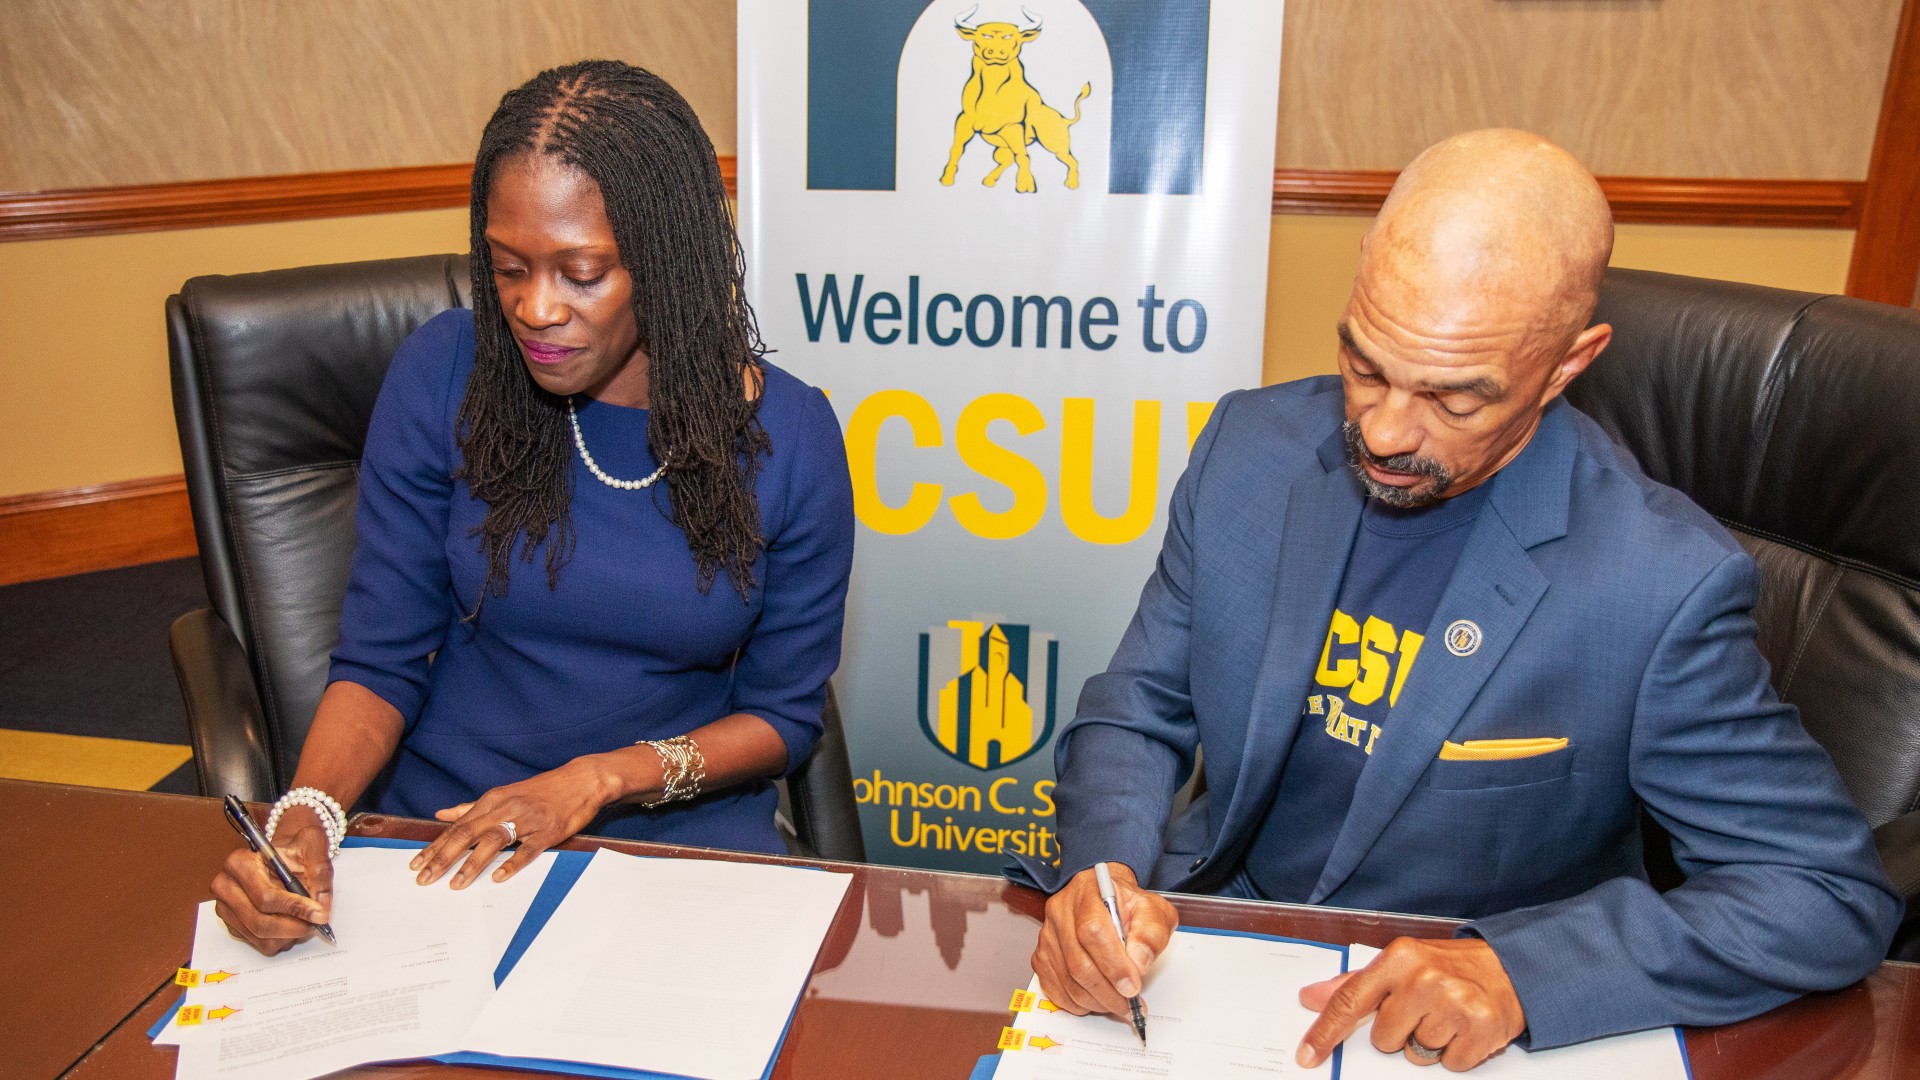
pixel 580 442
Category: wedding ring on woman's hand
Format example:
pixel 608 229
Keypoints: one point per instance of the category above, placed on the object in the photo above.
pixel 513 834
pixel 1421 1050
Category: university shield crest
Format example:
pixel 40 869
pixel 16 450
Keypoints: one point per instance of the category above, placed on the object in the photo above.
pixel 987 690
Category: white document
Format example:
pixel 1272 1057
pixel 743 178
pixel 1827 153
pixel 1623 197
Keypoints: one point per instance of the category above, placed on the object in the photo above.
pixel 1642 1055
pixel 413 965
pixel 221 958
pixel 681 966
pixel 1217 1006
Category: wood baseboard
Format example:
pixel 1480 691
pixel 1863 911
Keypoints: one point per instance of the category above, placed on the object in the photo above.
pixel 40 215
pixel 54 533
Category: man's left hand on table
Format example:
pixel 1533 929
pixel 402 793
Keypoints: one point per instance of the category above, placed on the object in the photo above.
pixel 1450 996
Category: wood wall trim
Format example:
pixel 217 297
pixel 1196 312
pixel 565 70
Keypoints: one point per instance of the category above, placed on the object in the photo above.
pixel 32 215
pixel 40 215
pixel 54 533
pixel 45 215
pixel 1804 204
pixel 1356 192
pixel 1799 204
pixel 1886 254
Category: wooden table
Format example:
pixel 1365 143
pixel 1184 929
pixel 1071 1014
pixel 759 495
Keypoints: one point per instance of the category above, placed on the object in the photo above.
pixel 97 890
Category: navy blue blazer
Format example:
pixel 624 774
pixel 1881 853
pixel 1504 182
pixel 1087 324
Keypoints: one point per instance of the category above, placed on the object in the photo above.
pixel 1612 612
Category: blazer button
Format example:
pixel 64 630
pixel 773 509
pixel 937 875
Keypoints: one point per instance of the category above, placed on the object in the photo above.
pixel 1197 864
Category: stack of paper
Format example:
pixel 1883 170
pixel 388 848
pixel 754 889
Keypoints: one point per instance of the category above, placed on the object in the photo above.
pixel 412 967
pixel 1217 1006
pixel 681 966
pixel 1221 1004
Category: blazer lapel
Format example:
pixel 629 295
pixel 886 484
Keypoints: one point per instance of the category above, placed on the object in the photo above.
pixel 1495 586
pixel 1323 514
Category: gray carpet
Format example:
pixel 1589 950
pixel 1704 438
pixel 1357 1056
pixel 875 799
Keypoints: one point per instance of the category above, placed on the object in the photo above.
pixel 87 655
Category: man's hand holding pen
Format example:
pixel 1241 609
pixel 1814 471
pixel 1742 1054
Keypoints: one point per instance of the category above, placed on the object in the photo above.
pixel 1082 963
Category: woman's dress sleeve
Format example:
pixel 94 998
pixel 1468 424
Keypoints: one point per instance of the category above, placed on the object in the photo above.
pixel 781 674
pixel 399 596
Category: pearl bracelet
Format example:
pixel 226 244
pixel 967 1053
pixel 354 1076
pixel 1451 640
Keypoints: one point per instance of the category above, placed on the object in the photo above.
pixel 332 818
pixel 683 766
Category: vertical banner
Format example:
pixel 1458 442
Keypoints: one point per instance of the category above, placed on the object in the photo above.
pixel 1023 246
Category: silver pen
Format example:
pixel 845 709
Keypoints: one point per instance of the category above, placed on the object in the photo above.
pixel 1105 881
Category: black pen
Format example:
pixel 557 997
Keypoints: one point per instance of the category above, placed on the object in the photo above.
pixel 242 823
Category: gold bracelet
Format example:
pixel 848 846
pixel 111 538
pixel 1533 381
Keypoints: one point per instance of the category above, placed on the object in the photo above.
pixel 682 767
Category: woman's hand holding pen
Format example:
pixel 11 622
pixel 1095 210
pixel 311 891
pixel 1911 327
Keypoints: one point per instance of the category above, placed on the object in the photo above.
pixel 250 900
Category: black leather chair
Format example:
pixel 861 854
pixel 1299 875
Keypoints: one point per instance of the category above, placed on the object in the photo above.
pixel 1794 418
pixel 274 380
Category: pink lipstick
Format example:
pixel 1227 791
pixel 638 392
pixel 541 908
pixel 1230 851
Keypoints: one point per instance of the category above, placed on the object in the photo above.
pixel 541 353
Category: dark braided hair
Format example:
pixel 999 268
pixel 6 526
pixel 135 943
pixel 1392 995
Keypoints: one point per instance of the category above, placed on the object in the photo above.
pixel 639 140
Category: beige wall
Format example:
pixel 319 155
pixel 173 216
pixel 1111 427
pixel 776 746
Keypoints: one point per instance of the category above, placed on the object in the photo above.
pixel 104 92
pixel 1750 88
pixel 83 345
pixel 109 92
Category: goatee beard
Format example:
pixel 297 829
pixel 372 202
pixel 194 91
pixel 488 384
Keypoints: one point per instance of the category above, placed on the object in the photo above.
pixel 1439 477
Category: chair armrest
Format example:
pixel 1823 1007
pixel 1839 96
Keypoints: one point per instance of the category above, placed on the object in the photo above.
pixel 1898 842
pixel 225 722
pixel 821 792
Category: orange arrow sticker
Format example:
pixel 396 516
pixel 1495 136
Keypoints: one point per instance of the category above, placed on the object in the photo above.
pixel 1041 1042
pixel 221 1013
pixel 218 976
pixel 1047 1006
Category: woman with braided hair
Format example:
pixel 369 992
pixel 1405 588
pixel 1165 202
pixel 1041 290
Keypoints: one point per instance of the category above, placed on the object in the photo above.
pixel 603 545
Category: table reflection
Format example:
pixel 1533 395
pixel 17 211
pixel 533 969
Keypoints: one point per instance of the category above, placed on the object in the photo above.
pixel 982 944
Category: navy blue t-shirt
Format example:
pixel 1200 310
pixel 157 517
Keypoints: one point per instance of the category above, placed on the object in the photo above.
pixel 1400 564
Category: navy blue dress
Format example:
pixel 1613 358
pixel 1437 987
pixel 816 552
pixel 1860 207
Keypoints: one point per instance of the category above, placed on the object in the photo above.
pixel 626 648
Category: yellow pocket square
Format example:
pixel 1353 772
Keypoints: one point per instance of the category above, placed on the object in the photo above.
pixel 1499 749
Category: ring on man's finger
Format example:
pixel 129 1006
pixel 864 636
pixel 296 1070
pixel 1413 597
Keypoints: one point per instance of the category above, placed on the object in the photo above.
pixel 513 833
pixel 1422 1051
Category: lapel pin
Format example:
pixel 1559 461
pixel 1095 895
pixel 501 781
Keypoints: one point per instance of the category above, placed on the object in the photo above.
pixel 1463 637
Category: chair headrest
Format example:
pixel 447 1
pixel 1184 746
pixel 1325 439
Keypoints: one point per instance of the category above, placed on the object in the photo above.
pixel 1791 415
pixel 293 359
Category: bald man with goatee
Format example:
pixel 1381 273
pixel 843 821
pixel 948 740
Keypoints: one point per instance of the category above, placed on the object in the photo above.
pixel 1442 641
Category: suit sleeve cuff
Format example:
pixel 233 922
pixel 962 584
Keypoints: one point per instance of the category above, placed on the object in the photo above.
pixel 1113 801
pixel 1539 955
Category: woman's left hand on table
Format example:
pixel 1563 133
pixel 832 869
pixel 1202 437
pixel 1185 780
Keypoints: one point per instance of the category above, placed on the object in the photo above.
pixel 545 810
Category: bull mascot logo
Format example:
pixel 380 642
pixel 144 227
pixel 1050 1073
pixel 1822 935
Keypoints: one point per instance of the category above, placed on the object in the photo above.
pixel 999 105
pixel 982 687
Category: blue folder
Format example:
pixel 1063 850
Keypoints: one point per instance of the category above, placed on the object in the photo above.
pixel 567 868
